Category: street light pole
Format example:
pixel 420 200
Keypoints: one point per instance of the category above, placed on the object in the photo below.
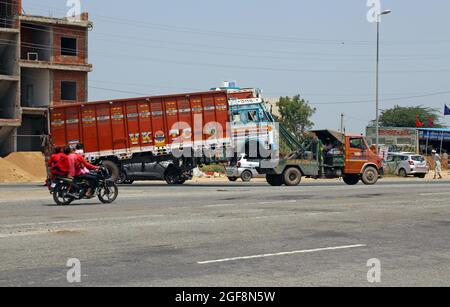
pixel 377 99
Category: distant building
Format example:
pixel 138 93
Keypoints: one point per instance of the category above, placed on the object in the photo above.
pixel 393 136
pixel 421 139
pixel 44 62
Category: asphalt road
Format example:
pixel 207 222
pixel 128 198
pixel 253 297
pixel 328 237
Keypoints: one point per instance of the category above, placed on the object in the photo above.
pixel 317 234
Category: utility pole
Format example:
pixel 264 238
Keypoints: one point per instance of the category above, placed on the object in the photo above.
pixel 377 98
pixel 342 123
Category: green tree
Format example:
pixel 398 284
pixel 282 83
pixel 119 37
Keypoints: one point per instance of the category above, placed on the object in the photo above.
pixel 406 117
pixel 295 115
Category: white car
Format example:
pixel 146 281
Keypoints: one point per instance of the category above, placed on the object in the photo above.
pixel 407 164
pixel 244 169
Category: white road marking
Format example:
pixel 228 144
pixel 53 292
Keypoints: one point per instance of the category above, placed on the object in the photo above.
pixel 283 254
pixel 432 194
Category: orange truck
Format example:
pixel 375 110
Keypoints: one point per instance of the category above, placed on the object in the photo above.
pixel 327 154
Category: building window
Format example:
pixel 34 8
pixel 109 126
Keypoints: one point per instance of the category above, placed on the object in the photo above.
pixel 68 90
pixel 29 95
pixel 68 46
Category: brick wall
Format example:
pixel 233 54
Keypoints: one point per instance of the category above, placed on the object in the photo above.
pixel 79 77
pixel 71 32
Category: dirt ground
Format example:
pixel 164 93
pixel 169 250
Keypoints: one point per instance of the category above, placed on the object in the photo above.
pixel 23 167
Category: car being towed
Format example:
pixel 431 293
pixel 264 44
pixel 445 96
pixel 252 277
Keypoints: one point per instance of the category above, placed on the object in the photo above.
pixel 407 164
pixel 163 171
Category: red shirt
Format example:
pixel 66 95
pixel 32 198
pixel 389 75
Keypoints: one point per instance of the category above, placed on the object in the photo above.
pixel 76 163
pixel 59 164
pixel 54 159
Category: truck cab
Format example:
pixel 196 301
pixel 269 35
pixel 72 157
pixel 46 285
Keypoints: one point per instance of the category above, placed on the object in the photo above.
pixel 252 128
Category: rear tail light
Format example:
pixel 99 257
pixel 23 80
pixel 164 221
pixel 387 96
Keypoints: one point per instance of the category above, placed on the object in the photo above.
pixel 411 163
pixel 239 164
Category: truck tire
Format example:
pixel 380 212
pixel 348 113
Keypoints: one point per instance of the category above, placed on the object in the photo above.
pixel 113 169
pixel 274 180
pixel 370 176
pixel 351 179
pixel 292 177
pixel 247 176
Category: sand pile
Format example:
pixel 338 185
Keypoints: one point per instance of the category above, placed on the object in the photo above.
pixel 23 167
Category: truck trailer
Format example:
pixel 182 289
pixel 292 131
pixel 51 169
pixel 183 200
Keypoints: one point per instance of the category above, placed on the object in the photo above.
pixel 185 130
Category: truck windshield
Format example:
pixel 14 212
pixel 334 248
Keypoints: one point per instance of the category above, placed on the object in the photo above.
pixel 358 143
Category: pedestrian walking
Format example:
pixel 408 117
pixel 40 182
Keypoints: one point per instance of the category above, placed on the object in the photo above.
pixel 437 164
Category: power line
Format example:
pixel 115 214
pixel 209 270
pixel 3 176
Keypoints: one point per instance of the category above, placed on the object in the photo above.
pixel 256 68
pixel 386 99
pixel 252 36
pixel 386 57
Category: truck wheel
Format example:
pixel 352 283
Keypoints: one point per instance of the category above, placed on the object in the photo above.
pixel 274 180
pixel 246 176
pixel 370 176
pixel 351 179
pixel 113 170
pixel 292 177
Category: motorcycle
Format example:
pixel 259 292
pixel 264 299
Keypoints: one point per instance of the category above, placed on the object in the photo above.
pixel 67 190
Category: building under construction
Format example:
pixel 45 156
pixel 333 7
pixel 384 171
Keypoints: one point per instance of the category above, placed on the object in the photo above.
pixel 43 62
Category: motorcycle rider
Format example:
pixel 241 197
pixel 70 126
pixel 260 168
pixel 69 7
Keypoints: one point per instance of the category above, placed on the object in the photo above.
pixel 54 163
pixel 79 168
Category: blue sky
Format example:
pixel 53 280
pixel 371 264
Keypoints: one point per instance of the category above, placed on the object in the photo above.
pixel 321 49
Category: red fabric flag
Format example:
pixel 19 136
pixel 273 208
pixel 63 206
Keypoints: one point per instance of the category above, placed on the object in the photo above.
pixel 419 123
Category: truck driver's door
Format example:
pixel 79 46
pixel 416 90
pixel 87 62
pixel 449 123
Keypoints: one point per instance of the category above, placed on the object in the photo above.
pixel 356 154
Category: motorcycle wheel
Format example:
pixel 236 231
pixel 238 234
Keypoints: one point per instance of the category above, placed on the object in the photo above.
pixel 60 196
pixel 108 193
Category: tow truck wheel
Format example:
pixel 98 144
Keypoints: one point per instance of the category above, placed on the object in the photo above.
pixel 370 176
pixel 292 177
pixel 274 180
pixel 351 179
